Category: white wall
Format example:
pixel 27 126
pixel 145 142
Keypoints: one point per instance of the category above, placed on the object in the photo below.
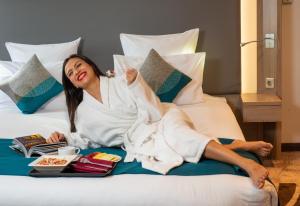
pixel 249 52
pixel 291 72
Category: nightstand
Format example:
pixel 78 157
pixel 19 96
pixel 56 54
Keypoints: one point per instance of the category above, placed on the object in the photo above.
pixel 264 108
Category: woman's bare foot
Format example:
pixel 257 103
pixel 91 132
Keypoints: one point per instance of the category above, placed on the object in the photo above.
pixel 257 173
pixel 261 148
pixel 223 153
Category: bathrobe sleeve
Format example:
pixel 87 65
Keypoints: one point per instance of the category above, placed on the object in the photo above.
pixel 146 100
pixel 74 139
pixel 77 140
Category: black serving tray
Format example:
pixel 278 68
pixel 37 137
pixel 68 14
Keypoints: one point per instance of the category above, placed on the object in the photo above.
pixel 68 172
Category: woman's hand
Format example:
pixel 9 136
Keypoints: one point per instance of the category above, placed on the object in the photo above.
pixel 130 75
pixel 55 137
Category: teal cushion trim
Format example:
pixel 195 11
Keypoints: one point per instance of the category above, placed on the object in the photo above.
pixel 14 163
pixel 172 86
pixel 35 98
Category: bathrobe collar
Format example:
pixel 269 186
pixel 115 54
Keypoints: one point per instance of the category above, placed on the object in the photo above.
pixel 104 94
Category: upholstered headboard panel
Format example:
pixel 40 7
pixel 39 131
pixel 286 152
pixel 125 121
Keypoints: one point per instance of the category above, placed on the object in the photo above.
pixel 99 23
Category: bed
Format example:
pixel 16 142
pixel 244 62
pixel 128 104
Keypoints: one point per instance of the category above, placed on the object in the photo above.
pixel 213 117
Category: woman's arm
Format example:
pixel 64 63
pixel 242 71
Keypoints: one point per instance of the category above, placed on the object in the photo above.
pixel 147 101
pixel 73 139
pixel 131 75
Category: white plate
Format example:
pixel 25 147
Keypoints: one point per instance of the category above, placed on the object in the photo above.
pixel 51 167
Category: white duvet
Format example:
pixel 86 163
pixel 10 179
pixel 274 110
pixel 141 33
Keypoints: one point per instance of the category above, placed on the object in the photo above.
pixel 212 117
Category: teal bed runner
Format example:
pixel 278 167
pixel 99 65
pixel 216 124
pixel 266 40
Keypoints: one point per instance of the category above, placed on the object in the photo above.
pixel 14 163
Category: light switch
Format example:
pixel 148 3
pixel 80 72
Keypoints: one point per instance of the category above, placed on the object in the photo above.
pixel 270 40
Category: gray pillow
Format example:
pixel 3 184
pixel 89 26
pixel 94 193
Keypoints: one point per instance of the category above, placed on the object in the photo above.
pixel 31 86
pixel 165 80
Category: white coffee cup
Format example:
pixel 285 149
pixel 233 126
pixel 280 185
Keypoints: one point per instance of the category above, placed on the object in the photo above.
pixel 68 150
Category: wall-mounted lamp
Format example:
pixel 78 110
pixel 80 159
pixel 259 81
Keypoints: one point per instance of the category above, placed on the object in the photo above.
pixel 269 41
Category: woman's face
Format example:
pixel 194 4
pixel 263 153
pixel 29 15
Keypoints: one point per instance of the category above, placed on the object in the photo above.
pixel 79 72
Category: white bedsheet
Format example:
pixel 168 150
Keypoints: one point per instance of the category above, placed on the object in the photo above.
pixel 212 117
pixel 215 118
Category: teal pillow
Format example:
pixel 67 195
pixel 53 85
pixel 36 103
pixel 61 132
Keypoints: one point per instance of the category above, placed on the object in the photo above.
pixel 165 80
pixel 31 87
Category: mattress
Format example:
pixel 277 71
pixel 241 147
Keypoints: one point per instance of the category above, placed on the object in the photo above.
pixel 212 117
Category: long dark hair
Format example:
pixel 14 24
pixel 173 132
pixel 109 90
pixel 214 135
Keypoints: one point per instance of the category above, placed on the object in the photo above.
pixel 74 95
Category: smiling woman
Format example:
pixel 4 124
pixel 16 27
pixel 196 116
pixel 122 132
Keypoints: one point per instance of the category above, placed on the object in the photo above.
pixel 76 75
pixel 142 123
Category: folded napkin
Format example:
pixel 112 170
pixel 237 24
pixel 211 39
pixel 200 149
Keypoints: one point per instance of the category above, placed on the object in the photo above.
pixel 91 165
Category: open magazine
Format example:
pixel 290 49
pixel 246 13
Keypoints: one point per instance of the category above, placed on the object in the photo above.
pixel 35 145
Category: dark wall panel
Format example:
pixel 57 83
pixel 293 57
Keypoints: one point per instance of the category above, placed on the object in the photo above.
pixel 99 23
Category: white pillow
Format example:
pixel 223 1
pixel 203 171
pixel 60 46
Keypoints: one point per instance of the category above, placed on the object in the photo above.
pixel 5 101
pixel 190 64
pixel 45 52
pixel 170 44
pixel 55 69
pixel 9 68
pixel 57 103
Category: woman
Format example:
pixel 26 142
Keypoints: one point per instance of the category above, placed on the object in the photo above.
pixel 125 111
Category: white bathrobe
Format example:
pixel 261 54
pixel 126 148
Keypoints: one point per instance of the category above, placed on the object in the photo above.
pixel 159 135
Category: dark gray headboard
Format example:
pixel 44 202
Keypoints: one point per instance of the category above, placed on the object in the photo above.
pixel 99 23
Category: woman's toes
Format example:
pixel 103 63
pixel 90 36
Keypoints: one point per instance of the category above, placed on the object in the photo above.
pixel 264 153
pixel 261 184
pixel 258 174
pixel 266 174
pixel 262 148
pixel 267 146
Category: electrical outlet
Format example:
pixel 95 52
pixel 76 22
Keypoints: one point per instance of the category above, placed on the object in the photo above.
pixel 270 41
pixel 269 83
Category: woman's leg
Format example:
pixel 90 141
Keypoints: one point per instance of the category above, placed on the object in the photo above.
pixel 261 148
pixel 257 173
pixel 190 144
